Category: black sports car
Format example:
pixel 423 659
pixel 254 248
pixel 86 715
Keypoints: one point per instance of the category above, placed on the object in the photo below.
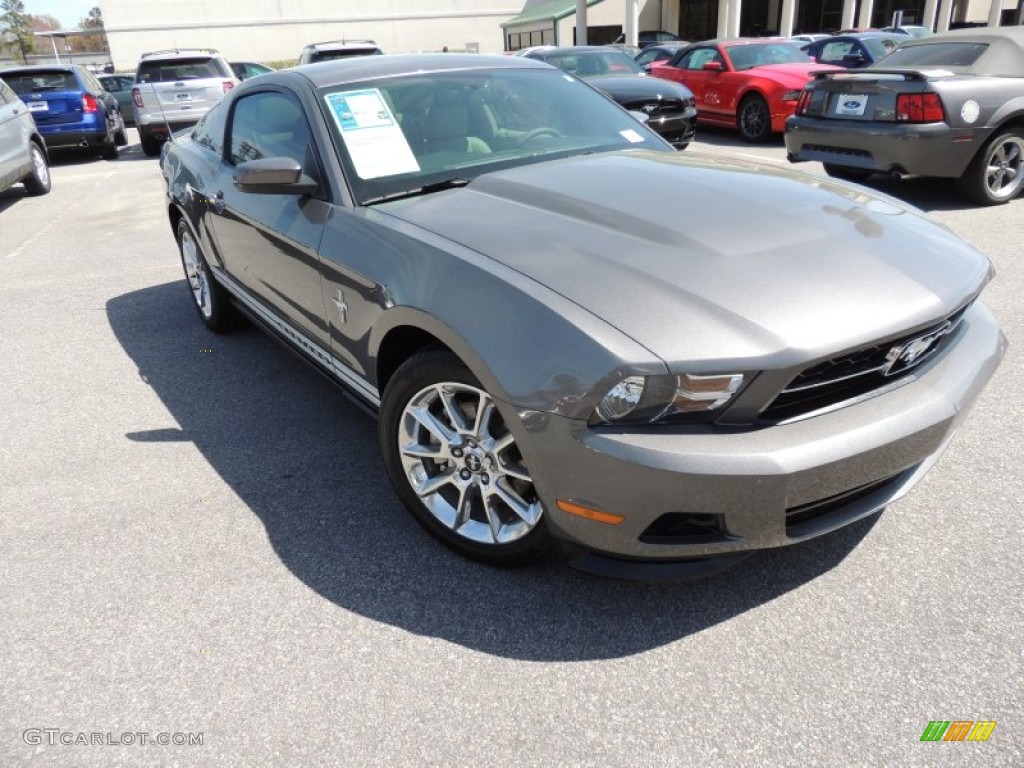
pixel 669 107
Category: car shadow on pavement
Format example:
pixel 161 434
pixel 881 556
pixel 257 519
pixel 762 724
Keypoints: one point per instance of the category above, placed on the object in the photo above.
pixel 305 461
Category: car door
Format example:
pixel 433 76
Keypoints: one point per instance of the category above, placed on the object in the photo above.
pixel 695 77
pixel 268 242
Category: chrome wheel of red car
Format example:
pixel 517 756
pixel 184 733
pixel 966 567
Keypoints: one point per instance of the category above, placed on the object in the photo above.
pixel 997 174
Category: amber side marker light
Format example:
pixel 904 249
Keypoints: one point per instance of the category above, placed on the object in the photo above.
pixel 590 514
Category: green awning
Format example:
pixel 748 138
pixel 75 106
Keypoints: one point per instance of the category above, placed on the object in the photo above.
pixel 552 10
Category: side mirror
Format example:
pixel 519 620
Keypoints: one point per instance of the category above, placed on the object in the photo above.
pixel 273 176
pixel 853 59
pixel 713 66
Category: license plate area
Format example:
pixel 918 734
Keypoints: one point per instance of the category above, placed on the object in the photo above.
pixel 850 104
pixel 38 106
pixel 183 96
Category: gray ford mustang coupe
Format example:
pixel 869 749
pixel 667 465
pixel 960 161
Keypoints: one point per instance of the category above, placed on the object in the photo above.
pixel 575 337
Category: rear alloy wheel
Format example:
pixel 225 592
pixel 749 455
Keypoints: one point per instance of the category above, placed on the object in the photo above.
pixel 211 300
pixel 848 174
pixel 996 174
pixel 754 119
pixel 38 181
pixel 108 149
pixel 120 136
pixel 456 465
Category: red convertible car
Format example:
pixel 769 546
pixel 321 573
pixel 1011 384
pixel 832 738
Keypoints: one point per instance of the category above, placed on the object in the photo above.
pixel 750 84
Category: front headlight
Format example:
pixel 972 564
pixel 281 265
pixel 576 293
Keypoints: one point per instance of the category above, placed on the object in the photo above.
pixel 672 398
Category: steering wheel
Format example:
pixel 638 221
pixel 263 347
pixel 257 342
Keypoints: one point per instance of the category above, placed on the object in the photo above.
pixel 536 133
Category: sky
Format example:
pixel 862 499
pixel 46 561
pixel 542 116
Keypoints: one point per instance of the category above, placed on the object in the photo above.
pixel 68 12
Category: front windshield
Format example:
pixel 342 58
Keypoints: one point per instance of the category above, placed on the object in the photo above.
pixel 750 55
pixel 400 134
pixel 595 63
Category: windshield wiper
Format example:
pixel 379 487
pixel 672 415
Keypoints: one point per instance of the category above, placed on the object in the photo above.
pixel 426 189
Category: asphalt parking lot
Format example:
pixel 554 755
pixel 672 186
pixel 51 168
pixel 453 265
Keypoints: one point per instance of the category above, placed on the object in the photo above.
pixel 198 542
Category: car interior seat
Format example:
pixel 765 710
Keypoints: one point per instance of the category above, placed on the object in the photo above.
pixel 446 126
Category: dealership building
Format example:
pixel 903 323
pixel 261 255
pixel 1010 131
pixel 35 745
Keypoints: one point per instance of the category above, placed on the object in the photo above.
pixel 277 30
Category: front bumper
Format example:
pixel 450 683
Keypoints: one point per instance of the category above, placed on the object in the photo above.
pixel 764 488
pixel 678 129
pixel 933 149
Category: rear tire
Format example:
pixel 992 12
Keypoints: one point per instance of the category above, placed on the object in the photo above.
pixel 754 119
pixel 150 146
pixel 847 174
pixel 38 182
pixel 996 174
pixel 208 297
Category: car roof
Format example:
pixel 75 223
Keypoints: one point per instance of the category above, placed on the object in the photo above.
pixel 1005 53
pixel 582 49
pixel 324 74
pixel 39 68
pixel 339 45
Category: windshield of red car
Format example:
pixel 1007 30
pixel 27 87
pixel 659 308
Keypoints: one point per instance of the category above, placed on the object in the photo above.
pixel 751 55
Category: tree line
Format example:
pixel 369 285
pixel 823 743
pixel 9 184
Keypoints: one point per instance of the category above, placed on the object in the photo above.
pixel 18 32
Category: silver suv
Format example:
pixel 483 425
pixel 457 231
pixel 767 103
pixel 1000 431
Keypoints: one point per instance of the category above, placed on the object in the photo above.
pixel 174 89
pixel 22 150
pixel 339 49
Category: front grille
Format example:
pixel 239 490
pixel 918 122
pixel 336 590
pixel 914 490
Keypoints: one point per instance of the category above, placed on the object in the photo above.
pixel 653 109
pixel 685 528
pixel 815 510
pixel 855 375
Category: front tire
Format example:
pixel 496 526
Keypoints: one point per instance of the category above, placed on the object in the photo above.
pixel 996 175
pixel 38 182
pixel 456 466
pixel 754 119
pixel 208 297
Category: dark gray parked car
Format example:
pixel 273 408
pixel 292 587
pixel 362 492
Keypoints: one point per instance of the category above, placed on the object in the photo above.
pixel 23 155
pixel 949 105
pixel 573 334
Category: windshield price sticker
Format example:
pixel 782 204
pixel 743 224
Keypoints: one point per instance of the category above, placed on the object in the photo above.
pixel 371 133
pixel 851 104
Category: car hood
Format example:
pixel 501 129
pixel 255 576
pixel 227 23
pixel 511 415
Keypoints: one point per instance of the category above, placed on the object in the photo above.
pixel 791 75
pixel 627 88
pixel 702 259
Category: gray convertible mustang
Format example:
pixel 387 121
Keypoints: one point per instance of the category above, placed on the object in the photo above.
pixel 950 105
pixel 574 335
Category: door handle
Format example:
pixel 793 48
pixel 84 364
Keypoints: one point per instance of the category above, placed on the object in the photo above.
pixel 218 203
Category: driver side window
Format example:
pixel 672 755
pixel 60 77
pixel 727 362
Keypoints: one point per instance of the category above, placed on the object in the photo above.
pixel 269 124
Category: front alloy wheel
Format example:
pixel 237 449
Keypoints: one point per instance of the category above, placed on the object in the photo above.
pixel 456 465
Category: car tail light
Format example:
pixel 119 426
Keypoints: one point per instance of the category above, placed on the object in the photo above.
pixel 919 108
pixel 88 103
pixel 137 98
pixel 803 102
pixel 227 85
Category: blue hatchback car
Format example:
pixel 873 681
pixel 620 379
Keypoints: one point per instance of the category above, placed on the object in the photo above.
pixel 70 106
